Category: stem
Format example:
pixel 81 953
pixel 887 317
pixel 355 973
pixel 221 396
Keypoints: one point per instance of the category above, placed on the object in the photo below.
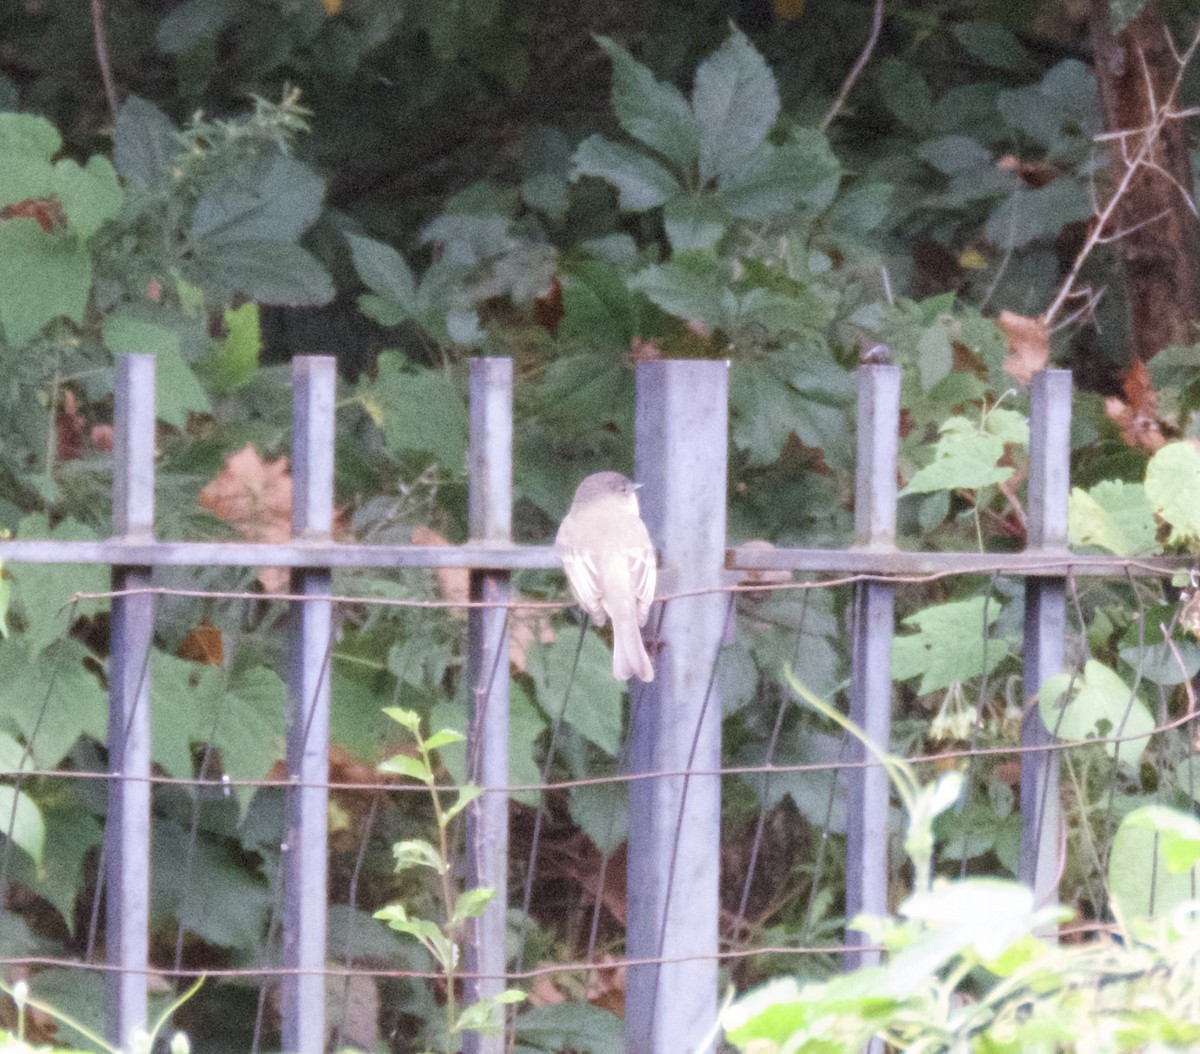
pixel 448 900
pixel 106 76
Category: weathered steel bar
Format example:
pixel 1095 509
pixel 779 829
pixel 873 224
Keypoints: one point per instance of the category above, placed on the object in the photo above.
pixel 869 791
pixel 305 850
pixel 681 452
pixel 1045 626
pixel 489 514
pixel 512 557
pixel 127 828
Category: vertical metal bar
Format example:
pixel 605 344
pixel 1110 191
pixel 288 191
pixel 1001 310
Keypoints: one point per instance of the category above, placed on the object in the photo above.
pixel 1045 626
pixel 489 512
pixel 127 831
pixel 314 382
pixel 869 792
pixel 681 451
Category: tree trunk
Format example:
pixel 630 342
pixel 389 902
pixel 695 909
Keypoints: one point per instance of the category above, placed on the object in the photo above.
pixel 1136 70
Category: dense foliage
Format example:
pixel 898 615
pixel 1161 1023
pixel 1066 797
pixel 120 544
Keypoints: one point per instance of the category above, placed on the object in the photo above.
pixel 408 186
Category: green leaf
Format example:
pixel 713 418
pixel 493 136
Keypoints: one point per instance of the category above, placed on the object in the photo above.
pixel 42 592
pixel 601 811
pixel 89 195
pixel 471 904
pixel 774 180
pixel 735 102
pixel 935 356
pixel 408 719
pixel 690 286
pixel 239 711
pixel 652 112
pixel 1157 659
pixel 407 765
pixel 903 90
pixel 145 142
pixel 693 224
pixel 21 820
pixel 271 272
pixel 994 44
pixel 443 738
pixel 641 182
pixel 1172 483
pixel 51 699
pixel 570 1026
pixel 1096 703
pixel 954 154
pixel 598 306
pixel 282 207
pixel 964 459
pixel 592 697
pixel 419 411
pixel 466 795
pixel 27 143
pixel 177 388
pixel 43 276
pixel 416 852
pixel 234 362
pixel 949 645
pixel 385 272
pixel 1178 834
pixel 1141 881
pixel 1038 214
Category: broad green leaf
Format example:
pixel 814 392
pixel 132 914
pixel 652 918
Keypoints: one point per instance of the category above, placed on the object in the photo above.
pixel 601 811
pixel 598 307
pixel 418 411
pixel 21 820
pixel 1038 214
pixel 467 794
pixel 27 143
pixel 51 699
pixel 177 388
pixel 239 711
pixel 690 287
pixel 271 272
pixel 693 224
pixel 904 91
pixel 592 698
pixel 641 182
pixel 774 180
pixel 953 154
pixel 994 44
pixel 1141 881
pixel 195 880
pixel 234 361
pixel 652 112
pixel 90 195
pixel 408 719
pixel 1113 515
pixel 950 645
pixel 1172 484
pixel 1178 834
pixel 571 1026
pixel 443 738
pixel 281 208
pixel 935 356
pixel 43 276
pixel 1096 702
pixel 42 592
pixel 191 23
pixel 735 101
pixel 72 832
pixel 1164 661
pixel 145 142
pixel 964 459
pixel 384 271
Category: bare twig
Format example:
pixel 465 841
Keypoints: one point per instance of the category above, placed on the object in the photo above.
pixel 859 65
pixel 106 76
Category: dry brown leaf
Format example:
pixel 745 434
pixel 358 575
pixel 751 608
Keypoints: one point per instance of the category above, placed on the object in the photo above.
pixel 1028 345
pixel 255 497
pixel 202 644
pixel 1137 413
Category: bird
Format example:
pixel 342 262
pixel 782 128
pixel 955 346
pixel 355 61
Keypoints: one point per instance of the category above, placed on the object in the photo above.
pixel 611 566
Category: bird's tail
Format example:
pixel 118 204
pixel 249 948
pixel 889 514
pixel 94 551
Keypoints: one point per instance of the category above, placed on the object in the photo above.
pixel 629 653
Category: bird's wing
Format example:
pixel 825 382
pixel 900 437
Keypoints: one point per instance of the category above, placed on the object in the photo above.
pixel 584 579
pixel 645 573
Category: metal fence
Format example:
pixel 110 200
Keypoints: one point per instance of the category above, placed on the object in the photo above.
pixel 674 773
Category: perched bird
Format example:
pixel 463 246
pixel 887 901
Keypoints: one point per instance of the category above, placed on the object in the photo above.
pixel 610 564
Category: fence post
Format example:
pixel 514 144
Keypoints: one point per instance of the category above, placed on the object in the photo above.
pixel 314 382
pixel 1045 626
pixel 681 426
pixel 127 830
pixel 869 791
pixel 489 512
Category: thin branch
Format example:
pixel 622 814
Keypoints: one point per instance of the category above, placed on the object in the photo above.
pixel 859 65
pixel 106 76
